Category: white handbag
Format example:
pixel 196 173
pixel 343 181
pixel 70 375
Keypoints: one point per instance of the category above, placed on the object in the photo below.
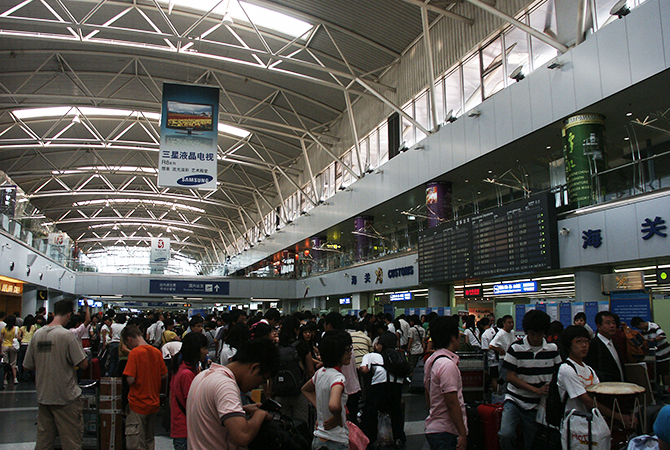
pixel 584 431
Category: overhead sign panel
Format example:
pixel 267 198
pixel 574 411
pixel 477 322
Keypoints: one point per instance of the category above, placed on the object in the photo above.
pixel 189 287
pixel 400 296
pixel 515 288
pixel 189 133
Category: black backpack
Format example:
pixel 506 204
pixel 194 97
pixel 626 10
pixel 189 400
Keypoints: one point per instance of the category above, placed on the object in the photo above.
pixel 281 433
pixel 555 409
pixel 396 364
pixel 290 377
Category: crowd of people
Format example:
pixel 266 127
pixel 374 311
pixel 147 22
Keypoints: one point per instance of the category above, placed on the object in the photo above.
pixel 329 374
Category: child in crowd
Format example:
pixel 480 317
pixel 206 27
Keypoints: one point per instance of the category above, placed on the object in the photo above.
pixel 326 392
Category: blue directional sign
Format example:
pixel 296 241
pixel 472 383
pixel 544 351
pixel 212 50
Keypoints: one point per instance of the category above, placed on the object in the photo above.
pixel 515 288
pixel 400 296
pixel 189 287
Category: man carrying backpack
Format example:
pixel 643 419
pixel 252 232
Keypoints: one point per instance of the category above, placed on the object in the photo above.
pixel 385 391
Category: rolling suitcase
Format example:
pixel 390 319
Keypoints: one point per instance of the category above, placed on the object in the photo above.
pixel 92 372
pixel 491 417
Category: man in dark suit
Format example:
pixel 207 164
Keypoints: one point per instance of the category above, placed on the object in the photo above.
pixel 603 355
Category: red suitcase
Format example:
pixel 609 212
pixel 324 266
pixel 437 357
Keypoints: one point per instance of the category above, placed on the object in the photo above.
pixel 93 370
pixel 491 416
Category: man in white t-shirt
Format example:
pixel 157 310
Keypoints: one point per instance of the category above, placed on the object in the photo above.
pixel 404 331
pixel 504 338
pixel 215 417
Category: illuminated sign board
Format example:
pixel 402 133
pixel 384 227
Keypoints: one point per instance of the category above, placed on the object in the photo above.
pixel 7 287
pixel 473 292
pixel 515 288
pixel 345 301
pixel 400 296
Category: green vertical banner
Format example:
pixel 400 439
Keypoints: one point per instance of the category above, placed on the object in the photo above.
pixel 584 151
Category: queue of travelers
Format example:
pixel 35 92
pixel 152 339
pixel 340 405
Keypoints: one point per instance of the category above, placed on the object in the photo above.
pixel 332 374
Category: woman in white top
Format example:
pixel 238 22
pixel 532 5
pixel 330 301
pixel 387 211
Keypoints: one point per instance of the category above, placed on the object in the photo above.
pixel 238 334
pixel 574 376
pixel 472 332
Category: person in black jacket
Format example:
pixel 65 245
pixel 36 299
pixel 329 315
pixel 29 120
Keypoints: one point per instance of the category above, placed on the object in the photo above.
pixel 603 355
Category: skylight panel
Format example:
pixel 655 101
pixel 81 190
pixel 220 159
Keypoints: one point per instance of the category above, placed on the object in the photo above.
pixel 261 17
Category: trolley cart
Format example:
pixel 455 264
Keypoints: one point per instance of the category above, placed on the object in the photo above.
pixel 90 397
pixel 472 369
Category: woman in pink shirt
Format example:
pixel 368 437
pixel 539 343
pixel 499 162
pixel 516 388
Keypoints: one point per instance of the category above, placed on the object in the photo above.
pixel 185 366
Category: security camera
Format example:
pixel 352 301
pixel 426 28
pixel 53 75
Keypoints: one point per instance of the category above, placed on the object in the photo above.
pixel 620 9
pixel 450 118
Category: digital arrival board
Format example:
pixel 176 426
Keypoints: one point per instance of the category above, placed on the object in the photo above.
pixel 520 237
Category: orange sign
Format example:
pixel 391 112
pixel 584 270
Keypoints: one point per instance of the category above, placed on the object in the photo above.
pixel 11 288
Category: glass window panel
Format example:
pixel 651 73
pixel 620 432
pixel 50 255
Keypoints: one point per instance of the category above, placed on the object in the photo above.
pixel 365 155
pixel 543 18
pixel 346 175
pixel 335 178
pixel 518 53
pixel 492 64
pixel 407 127
pixel 454 92
pixel 603 8
pixel 472 82
pixel 374 148
pixel 422 115
pixel 542 53
pixel 383 144
pixel 439 100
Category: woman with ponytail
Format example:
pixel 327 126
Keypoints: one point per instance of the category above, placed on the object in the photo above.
pixel 185 366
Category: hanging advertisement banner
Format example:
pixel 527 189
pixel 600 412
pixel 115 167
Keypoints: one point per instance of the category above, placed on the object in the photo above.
pixel 189 132
pixel 584 152
pixel 160 252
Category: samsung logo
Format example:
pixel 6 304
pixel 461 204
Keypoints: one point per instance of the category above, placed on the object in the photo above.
pixel 194 180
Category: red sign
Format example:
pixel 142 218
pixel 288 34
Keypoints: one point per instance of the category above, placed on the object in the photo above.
pixel 472 292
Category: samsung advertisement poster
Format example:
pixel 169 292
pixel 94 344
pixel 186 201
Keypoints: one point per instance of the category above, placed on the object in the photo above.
pixel 189 123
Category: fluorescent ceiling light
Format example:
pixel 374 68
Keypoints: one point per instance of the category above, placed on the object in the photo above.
pixel 139 224
pixel 260 16
pixel 132 200
pixel 61 111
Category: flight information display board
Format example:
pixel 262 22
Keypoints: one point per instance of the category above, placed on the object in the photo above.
pixel 516 238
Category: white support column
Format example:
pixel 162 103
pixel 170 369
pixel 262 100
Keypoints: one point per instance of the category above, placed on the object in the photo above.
pixel 440 296
pixel 428 48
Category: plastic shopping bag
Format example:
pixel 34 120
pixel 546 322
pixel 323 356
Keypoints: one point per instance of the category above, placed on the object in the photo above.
pixel 384 430
pixel 357 439
pixel 584 431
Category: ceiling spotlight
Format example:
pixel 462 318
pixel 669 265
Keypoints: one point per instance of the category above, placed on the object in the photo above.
pixel 517 74
pixel 403 147
pixel 474 113
pixel 620 9
pixel 369 169
pixel 378 171
pixel 411 217
pixel 345 188
pixel 628 114
pixel 554 64
pixel 450 118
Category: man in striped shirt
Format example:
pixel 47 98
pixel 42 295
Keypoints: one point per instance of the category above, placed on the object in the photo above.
pixel 530 363
pixel 652 332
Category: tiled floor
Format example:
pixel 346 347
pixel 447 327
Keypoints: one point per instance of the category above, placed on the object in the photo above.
pixel 18 413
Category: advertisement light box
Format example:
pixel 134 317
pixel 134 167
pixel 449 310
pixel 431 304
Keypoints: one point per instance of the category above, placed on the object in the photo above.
pixel 400 296
pixel 345 301
pixel 515 288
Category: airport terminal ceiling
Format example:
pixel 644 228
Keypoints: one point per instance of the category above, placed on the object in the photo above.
pixel 80 102
pixel 88 162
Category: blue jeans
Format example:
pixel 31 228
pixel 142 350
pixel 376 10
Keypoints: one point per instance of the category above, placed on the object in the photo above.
pixel 442 441
pixel 179 443
pixel 511 416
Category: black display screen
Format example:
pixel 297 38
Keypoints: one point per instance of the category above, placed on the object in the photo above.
pixel 519 237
